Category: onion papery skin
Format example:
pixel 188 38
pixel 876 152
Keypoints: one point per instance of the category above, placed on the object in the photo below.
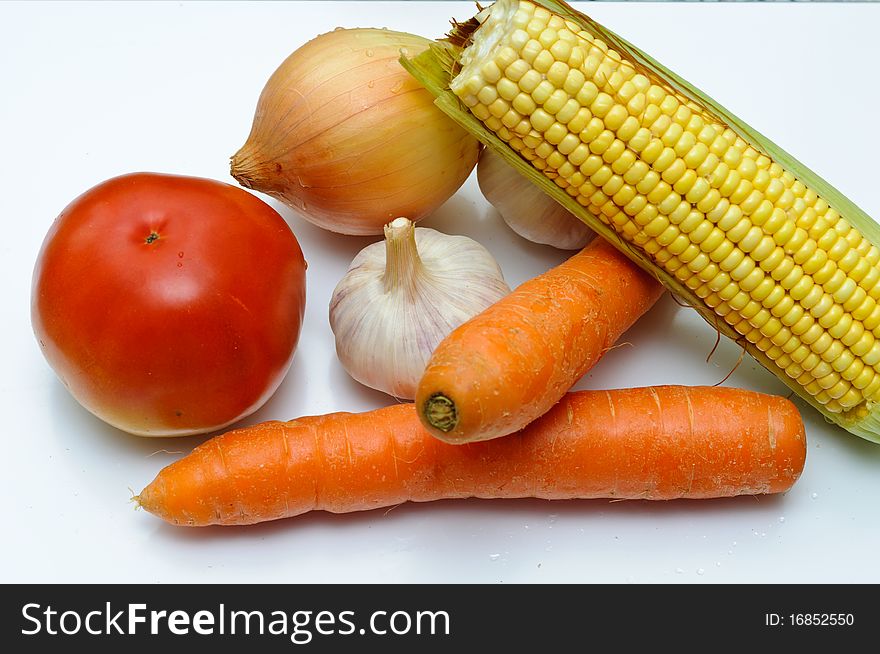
pixel 344 135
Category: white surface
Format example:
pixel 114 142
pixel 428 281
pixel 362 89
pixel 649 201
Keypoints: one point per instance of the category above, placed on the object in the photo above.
pixel 90 91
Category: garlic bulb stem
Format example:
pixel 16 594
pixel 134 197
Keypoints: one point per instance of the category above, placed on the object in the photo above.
pixel 403 266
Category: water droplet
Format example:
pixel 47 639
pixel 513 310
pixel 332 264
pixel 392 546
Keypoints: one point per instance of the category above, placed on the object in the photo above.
pixel 338 29
pixel 734 543
pixel 814 495
pixel 763 533
pixel 369 53
pixel 717 564
pixel 700 571
pixel 730 551
pixel 679 571
pixel 494 557
pixel 782 518
pixel 371 84
pixel 404 51
pixel 180 254
pixel 525 526
pixel 179 264
pixel 549 548
pixel 396 88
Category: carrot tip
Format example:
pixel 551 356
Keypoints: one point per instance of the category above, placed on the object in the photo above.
pixel 441 413
pixel 136 500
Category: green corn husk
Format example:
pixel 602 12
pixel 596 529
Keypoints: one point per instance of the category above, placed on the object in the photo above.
pixel 436 67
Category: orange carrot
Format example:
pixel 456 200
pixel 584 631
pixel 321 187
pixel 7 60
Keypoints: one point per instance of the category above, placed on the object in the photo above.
pixel 657 443
pixel 499 371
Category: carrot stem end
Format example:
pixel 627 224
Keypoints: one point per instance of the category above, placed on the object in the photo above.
pixel 441 412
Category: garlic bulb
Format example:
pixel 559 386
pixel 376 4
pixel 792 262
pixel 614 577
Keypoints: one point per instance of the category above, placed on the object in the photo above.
pixel 347 137
pixel 527 209
pixel 400 298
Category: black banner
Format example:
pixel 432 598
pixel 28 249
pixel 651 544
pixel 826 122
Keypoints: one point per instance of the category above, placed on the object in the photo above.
pixel 432 618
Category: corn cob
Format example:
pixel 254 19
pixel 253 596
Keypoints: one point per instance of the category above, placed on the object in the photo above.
pixel 761 246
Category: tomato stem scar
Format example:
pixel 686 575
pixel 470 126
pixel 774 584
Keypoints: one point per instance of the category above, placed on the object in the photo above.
pixel 152 237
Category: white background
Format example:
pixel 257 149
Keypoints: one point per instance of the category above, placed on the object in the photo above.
pixel 90 91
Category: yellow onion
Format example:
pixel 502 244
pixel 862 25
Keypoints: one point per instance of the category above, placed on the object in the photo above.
pixel 344 135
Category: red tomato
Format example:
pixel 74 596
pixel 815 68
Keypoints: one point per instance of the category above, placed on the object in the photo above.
pixel 169 305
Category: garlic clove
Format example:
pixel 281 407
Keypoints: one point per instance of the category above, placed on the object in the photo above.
pixel 401 297
pixel 526 209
